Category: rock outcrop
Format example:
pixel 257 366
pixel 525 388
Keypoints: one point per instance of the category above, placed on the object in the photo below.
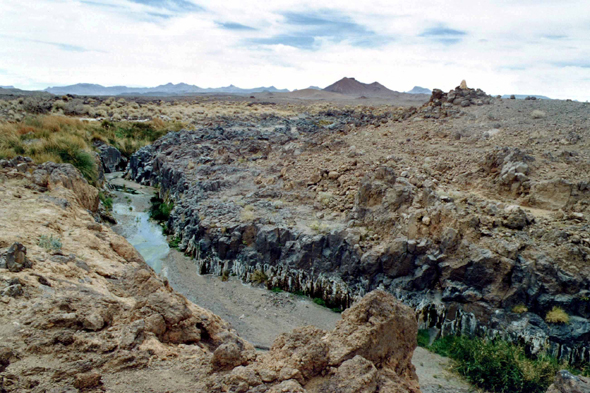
pixel 442 105
pixel 370 350
pixel 83 311
pixel 566 382
pixel 247 200
pixel 111 158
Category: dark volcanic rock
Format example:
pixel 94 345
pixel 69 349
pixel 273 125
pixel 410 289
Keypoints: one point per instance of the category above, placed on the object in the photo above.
pixel 441 263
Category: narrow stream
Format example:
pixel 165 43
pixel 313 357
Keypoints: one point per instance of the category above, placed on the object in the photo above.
pixel 130 209
pixel 257 314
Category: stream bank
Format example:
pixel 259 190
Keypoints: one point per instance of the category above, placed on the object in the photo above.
pixel 257 314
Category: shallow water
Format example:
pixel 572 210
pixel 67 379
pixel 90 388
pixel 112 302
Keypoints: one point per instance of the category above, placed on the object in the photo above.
pixel 145 235
pixel 130 211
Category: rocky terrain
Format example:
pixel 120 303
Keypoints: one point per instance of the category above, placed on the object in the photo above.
pixel 81 311
pixel 471 209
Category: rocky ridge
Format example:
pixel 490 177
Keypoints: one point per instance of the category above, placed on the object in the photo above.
pixel 318 215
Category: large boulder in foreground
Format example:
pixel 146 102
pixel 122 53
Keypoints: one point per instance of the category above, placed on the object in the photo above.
pixel 566 382
pixel 370 350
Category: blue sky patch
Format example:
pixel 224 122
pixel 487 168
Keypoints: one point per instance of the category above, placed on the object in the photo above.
pixel 172 5
pixel 234 26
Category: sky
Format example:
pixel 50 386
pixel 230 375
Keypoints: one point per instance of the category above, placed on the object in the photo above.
pixel 502 46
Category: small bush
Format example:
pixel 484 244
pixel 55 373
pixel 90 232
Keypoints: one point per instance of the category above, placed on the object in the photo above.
pixel 107 202
pixel 258 277
pixel 160 210
pixel 50 242
pixel 316 226
pixel 557 315
pixel 248 213
pixel 537 114
pixel 175 242
pixel 277 290
pixel 520 309
pixel 498 366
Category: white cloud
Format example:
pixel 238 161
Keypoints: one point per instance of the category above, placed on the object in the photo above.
pixel 522 47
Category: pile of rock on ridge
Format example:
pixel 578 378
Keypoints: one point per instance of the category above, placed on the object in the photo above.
pixel 443 104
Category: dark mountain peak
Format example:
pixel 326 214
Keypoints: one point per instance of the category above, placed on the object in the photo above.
pixel 351 86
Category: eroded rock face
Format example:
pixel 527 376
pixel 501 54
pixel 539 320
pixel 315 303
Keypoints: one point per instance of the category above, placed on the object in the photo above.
pixel 462 263
pixel 370 350
pixel 93 306
pixel 51 175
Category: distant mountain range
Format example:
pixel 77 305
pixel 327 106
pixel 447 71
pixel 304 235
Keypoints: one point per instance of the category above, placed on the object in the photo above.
pixel 88 89
pixel 419 90
pixel 6 87
pixel 523 96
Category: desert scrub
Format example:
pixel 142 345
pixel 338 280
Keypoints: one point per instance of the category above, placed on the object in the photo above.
pixel 259 277
pixel 316 226
pixel 50 242
pixel 557 315
pixel 498 366
pixel 64 139
pixel 520 309
pixel 248 213
pixel 423 338
pixel 174 242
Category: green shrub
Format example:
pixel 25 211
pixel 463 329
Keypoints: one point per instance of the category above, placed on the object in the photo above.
pixel 497 365
pixel 107 202
pixel 277 290
pixel 160 210
pixel 423 338
pixel 175 242
pixel 50 242
pixel 319 301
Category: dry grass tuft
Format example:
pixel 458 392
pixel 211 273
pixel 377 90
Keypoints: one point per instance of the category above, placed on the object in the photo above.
pixel 520 309
pixel 557 315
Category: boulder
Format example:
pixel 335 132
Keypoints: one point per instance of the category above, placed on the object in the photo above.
pixel 16 258
pixel 111 158
pixel 566 382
